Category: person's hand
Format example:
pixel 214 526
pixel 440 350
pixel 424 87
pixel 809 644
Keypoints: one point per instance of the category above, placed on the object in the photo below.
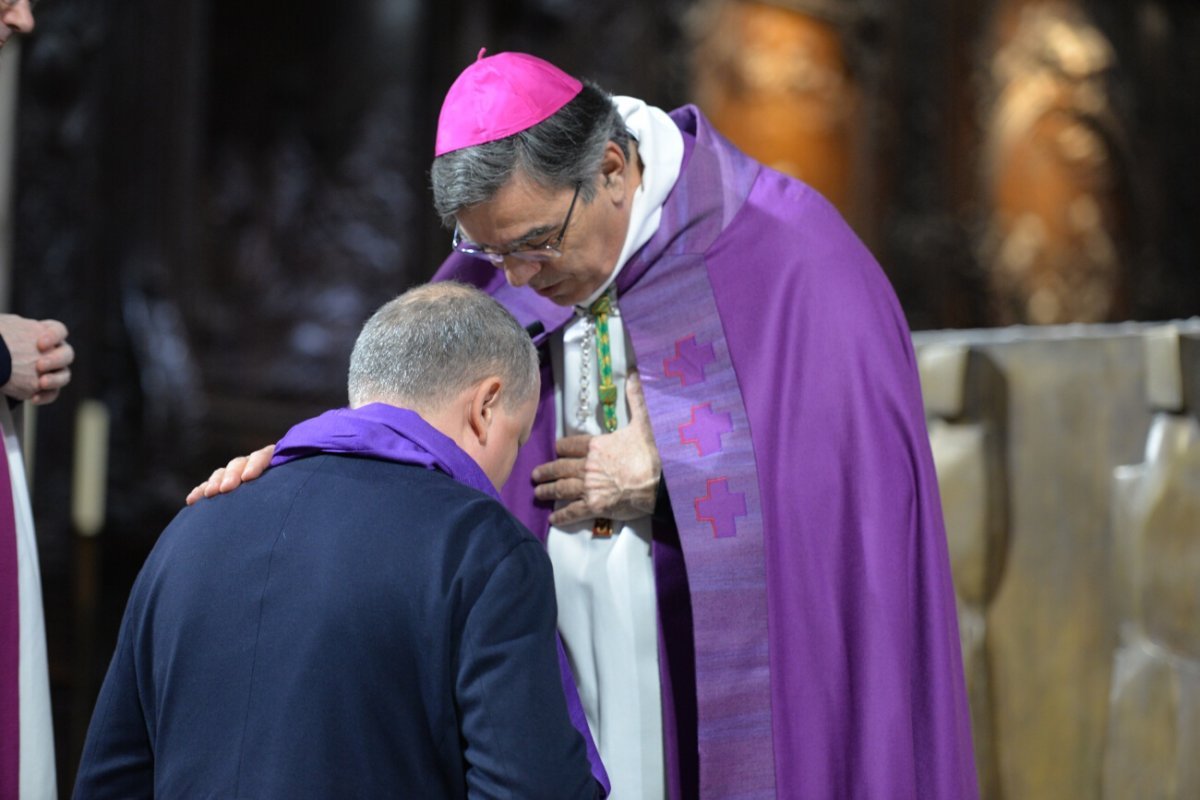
pixel 611 476
pixel 41 358
pixel 229 477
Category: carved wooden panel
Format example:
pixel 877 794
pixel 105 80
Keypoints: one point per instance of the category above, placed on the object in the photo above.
pixel 965 402
pixel 1154 725
pixel 1034 549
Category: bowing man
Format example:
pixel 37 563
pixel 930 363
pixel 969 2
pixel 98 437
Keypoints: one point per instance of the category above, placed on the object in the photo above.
pixel 367 620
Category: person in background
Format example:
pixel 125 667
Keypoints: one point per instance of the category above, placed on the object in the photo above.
pixel 367 620
pixel 35 361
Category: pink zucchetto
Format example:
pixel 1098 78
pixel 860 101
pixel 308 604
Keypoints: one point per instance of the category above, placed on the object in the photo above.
pixel 498 96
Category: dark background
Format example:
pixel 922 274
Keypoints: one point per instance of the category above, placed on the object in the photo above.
pixel 214 195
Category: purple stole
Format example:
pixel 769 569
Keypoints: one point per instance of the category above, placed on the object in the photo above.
pixel 699 420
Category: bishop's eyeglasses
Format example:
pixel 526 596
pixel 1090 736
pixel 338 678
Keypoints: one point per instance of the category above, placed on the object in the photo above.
pixel 547 251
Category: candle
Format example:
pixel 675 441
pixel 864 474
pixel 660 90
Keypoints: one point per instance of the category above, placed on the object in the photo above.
pixel 90 481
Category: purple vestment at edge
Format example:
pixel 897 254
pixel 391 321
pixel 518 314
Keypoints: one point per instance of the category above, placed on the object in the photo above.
pixel 388 433
pixel 808 595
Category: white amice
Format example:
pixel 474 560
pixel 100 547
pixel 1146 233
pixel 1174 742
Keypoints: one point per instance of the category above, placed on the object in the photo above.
pixel 37 771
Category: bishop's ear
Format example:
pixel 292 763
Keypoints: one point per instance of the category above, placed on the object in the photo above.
pixel 612 169
pixel 482 412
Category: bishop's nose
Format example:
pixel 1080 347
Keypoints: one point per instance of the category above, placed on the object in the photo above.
pixel 519 271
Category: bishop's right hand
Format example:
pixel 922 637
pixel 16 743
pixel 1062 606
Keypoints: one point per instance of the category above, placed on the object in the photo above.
pixel 229 477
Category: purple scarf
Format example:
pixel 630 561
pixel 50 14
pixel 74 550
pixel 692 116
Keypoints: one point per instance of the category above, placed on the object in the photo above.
pixel 388 433
pixel 385 433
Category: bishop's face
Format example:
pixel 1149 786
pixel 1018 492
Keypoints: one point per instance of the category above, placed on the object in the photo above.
pixel 525 216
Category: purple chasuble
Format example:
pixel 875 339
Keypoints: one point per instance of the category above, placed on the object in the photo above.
pixel 782 388
pixel 388 433
pixel 10 639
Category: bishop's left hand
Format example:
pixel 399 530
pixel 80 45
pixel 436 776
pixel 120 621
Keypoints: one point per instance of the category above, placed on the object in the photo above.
pixel 613 476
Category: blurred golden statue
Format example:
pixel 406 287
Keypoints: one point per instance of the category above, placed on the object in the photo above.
pixel 772 77
pixel 1052 180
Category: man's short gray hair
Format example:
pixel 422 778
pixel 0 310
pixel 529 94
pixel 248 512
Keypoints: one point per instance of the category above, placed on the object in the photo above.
pixel 423 348
pixel 561 151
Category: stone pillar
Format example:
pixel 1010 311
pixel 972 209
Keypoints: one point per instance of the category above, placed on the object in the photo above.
pixel 1153 739
pixel 965 402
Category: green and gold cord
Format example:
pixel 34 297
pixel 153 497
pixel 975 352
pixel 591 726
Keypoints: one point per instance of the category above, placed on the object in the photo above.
pixel 601 309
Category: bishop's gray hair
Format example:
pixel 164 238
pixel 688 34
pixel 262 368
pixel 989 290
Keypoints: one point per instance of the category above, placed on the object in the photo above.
pixel 561 151
pixel 423 348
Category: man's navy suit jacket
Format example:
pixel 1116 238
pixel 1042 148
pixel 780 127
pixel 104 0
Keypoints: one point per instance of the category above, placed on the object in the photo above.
pixel 341 627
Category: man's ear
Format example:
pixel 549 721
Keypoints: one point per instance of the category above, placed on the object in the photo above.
pixel 482 412
pixel 612 167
